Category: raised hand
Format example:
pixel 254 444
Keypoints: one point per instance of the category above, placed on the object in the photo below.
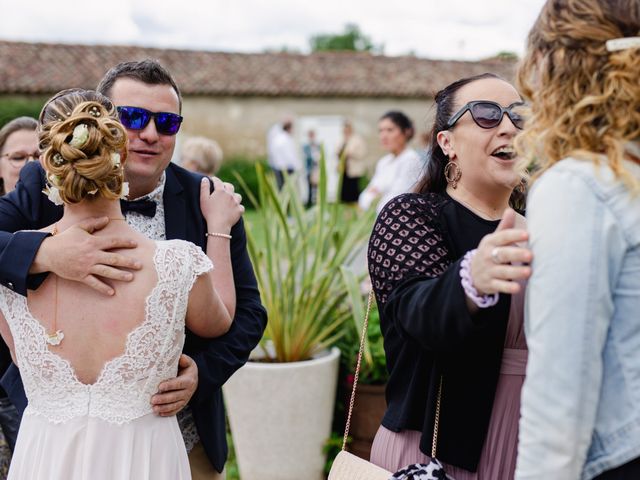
pixel 502 259
pixel 221 208
pixel 77 255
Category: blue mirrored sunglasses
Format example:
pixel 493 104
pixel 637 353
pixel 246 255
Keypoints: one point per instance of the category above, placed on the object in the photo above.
pixel 136 118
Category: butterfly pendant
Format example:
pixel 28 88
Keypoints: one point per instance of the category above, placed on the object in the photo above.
pixel 54 338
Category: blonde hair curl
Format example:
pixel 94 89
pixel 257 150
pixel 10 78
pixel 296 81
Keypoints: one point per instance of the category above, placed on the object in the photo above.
pixel 585 100
pixel 91 168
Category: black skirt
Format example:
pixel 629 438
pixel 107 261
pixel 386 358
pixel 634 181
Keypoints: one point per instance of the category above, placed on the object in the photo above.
pixel 350 189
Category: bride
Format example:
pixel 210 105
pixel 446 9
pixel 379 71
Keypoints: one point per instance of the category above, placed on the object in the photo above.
pixel 90 363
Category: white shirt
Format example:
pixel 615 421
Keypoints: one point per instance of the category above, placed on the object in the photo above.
pixel 271 135
pixel 284 153
pixel 394 175
pixel 151 227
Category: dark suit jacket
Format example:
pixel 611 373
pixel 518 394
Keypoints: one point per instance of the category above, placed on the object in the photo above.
pixel 217 359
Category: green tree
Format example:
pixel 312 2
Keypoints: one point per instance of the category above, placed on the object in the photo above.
pixel 352 39
pixel 507 55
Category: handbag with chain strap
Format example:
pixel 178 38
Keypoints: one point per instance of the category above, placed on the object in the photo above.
pixel 347 466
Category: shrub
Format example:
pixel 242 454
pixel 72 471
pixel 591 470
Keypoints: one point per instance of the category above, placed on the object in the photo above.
pixel 17 106
pixel 245 169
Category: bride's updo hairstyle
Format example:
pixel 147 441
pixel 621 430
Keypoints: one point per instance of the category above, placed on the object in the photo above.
pixel 81 142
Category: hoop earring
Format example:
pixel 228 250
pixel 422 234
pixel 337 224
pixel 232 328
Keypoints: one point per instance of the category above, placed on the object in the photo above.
pixel 521 187
pixel 452 177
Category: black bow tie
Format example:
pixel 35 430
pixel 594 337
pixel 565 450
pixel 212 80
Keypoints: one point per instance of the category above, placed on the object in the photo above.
pixel 144 207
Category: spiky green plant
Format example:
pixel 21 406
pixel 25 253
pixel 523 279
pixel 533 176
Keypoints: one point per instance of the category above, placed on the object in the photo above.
pixel 298 265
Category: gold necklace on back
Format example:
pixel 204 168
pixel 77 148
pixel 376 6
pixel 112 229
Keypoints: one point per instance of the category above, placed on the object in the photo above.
pixel 56 336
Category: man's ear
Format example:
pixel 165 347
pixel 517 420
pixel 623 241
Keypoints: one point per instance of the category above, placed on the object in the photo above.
pixel 445 141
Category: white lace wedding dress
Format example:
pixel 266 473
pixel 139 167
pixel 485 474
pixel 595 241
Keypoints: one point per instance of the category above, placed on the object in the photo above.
pixel 106 430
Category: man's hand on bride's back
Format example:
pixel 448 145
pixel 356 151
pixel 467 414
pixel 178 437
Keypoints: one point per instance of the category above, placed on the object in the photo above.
pixel 174 394
pixel 76 254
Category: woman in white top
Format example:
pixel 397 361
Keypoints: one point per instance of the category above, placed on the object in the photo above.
pixel 398 171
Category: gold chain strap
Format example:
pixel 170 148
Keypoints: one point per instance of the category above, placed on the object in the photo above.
pixel 437 421
pixel 363 338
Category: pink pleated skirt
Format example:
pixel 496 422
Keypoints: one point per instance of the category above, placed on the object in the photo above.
pixel 396 450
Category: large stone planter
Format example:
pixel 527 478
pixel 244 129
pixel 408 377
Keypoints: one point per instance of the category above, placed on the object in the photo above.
pixel 280 416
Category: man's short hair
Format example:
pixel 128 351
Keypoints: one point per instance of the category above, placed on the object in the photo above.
pixel 148 71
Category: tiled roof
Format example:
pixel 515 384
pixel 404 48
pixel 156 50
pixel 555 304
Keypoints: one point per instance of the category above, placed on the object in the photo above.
pixel 47 68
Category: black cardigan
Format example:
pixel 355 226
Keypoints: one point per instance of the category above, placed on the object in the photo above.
pixel 414 262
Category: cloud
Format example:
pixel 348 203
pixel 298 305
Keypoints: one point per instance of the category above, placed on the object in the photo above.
pixel 464 29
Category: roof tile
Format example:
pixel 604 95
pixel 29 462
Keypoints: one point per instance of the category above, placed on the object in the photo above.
pixel 39 68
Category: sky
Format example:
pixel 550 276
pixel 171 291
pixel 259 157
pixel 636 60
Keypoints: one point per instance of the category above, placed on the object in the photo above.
pixel 439 29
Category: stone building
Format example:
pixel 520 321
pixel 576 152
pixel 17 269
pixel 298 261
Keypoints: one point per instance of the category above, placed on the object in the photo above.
pixel 236 97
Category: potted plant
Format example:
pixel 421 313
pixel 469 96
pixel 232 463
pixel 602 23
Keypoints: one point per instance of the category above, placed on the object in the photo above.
pixel 280 405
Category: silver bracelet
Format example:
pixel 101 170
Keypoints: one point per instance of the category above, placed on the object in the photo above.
pixel 221 235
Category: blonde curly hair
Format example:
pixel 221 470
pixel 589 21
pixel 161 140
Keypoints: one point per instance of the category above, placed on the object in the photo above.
pixel 82 143
pixel 585 100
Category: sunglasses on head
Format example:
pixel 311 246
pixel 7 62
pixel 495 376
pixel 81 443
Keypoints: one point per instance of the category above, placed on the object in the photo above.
pixel 136 118
pixel 488 114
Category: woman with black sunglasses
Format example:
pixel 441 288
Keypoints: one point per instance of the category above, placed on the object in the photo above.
pixel 448 271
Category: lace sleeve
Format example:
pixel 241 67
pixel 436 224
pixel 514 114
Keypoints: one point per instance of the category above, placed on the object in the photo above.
pixel 407 241
pixel 200 262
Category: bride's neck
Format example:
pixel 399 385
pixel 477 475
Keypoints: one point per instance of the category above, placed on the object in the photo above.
pixel 95 207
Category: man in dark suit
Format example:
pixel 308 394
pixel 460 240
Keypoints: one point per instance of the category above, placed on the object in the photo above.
pixel 166 204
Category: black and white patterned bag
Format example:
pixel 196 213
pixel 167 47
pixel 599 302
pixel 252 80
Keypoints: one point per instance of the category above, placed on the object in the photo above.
pixel 420 471
pixel 426 471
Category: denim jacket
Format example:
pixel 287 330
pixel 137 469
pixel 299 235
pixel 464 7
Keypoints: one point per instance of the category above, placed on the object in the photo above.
pixel 580 413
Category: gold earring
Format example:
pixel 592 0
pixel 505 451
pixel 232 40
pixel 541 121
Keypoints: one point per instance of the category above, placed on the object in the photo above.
pixel 452 177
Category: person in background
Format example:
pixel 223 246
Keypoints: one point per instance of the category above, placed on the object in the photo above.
pixel 398 171
pixel 311 151
pixel 283 153
pixel 581 399
pixel 201 155
pixel 18 145
pixel 448 275
pixel 351 156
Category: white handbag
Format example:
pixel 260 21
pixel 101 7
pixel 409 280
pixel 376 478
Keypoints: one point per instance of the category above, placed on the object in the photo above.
pixel 347 466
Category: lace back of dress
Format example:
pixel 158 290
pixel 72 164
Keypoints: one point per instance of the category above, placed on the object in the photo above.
pixel 123 390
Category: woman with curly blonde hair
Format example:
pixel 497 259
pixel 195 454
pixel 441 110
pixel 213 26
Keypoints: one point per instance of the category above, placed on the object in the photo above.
pixel 90 363
pixel 580 415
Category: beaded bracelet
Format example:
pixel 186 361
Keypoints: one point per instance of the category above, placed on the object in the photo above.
pixel 221 235
pixel 482 301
